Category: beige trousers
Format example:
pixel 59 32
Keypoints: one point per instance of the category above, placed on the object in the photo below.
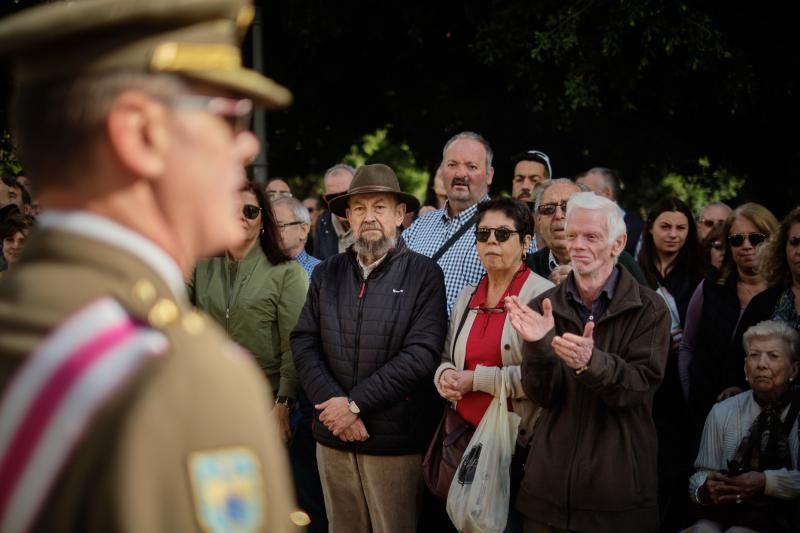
pixel 365 493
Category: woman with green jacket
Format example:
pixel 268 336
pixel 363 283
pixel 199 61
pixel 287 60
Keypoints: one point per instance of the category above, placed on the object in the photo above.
pixel 256 292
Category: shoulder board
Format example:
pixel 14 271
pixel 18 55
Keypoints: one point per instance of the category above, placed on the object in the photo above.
pixel 54 396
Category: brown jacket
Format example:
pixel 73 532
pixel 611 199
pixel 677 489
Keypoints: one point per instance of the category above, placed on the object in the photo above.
pixel 592 464
pixel 197 402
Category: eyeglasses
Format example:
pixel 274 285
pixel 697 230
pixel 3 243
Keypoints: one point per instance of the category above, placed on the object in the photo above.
pixel 285 224
pixel 279 194
pixel 550 209
pixel 501 234
pixel 709 222
pixel 488 310
pixel 251 212
pixel 236 112
pixel 544 157
pixel 737 239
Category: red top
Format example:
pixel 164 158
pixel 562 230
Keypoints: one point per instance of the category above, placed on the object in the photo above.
pixel 483 343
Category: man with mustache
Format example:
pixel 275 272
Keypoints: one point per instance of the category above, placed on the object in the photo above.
pixel 531 169
pixel 367 343
pixel 447 234
pixel 553 261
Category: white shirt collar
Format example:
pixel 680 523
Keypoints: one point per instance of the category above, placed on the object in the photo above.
pixel 103 229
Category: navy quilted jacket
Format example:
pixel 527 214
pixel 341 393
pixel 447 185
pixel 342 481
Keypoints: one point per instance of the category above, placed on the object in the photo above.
pixel 377 341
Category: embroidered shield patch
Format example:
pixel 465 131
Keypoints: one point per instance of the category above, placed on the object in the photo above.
pixel 228 490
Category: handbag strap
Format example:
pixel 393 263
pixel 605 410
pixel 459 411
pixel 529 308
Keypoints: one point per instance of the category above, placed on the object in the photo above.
pixel 453 238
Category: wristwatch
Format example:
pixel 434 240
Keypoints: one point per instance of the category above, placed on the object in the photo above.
pixel 352 406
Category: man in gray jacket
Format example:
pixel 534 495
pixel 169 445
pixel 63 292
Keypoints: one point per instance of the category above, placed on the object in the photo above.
pixel 596 347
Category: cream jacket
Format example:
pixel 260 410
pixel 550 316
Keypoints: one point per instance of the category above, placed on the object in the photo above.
pixel 488 378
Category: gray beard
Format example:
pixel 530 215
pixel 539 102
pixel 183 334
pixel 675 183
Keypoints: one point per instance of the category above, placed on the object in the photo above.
pixel 371 251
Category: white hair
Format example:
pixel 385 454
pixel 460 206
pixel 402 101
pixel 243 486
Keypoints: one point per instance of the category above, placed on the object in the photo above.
pixel 615 220
pixel 299 211
pixel 770 329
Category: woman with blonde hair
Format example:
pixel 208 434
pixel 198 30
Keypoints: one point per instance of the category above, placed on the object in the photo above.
pixel 721 310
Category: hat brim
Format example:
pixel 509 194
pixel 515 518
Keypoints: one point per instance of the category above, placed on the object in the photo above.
pixel 339 204
pixel 246 82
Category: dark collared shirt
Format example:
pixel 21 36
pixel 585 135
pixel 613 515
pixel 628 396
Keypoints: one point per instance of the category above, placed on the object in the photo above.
pixel 599 305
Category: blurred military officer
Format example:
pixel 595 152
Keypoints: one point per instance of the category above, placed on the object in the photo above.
pixel 123 409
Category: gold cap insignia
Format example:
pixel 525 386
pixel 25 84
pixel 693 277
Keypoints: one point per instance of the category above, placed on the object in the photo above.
pixel 299 518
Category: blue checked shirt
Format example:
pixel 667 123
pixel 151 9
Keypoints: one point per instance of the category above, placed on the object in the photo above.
pixel 460 263
pixel 308 262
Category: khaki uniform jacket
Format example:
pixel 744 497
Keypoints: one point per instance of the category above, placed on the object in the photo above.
pixel 129 470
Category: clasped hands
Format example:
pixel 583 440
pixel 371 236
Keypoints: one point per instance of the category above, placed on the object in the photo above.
pixel 340 421
pixel 454 384
pixel 574 350
pixel 721 488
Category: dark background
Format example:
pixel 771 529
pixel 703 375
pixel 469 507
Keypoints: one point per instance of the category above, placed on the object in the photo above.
pixel 648 87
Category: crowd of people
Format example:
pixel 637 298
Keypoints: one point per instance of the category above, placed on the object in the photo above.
pixel 652 360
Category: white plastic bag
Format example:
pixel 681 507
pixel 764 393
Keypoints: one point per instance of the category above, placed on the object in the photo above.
pixel 479 496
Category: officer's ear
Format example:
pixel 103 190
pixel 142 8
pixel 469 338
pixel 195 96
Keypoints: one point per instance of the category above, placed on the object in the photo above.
pixel 136 126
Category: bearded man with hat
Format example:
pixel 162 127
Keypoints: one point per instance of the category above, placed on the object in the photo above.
pixel 122 408
pixel 365 347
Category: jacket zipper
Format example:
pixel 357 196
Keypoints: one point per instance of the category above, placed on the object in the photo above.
pixel 358 330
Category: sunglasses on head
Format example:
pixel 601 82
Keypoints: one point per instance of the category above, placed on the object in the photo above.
pixel 709 222
pixel 536 154
pixel 251 212
pixel 550 209
pixel 501 234
pixel 737 239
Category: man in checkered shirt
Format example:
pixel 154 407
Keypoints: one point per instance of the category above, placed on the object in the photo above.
pixel 467 173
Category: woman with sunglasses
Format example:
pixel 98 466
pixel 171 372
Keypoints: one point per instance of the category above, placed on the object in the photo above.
pixel 255 291
pixel 481 343
pixel 720 311
pixel 670 261
pixel 780 265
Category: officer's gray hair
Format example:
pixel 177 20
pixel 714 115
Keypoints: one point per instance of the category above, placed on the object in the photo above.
pixel 56 124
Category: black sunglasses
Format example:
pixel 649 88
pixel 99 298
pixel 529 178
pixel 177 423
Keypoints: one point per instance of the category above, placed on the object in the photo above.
pixel 251 212
pixel 501 234
pixel 737 239
pixel 549 209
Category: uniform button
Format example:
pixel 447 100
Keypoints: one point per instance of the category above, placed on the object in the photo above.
pixel 299 518
pixel 144 291
pixel 507 347
pixel 193 323
pixel 163 313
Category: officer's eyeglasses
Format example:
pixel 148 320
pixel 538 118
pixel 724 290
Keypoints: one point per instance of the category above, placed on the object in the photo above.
pixel 251 212
pixel 501 234
pixel 737 239
pixel 550 209
pixel 709 222
pixel 236 112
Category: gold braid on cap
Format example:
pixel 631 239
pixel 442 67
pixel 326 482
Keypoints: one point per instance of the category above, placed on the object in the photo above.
pixel 178 57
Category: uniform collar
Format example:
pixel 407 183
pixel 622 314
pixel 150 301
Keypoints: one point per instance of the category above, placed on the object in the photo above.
pixel 103 229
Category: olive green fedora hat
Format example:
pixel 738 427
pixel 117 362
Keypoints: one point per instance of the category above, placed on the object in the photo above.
pixel 195 39
pixel 373 179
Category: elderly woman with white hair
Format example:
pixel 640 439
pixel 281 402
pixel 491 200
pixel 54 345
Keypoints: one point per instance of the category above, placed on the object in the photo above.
pixel 747 476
